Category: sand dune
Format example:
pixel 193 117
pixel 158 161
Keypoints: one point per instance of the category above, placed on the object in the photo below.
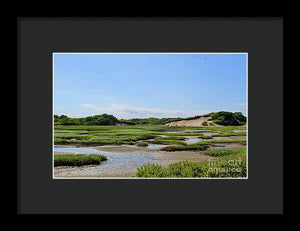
pixel 190 123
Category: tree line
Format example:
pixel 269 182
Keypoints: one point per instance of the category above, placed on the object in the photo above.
pixel 103 119
pixel 227 118
pixel 221 118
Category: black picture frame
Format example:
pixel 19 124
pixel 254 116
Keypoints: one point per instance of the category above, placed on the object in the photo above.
pixel 38 38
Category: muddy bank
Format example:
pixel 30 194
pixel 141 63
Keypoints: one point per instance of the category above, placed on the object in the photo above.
pixel 229 138
pixel 167 158
pixel 225 146
pixel 121 148
pixel 89 172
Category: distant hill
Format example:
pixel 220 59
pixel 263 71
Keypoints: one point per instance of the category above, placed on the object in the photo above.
pixel 211 119
pixel 199 122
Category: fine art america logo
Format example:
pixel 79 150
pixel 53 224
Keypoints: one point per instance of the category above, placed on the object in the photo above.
pixel 225 166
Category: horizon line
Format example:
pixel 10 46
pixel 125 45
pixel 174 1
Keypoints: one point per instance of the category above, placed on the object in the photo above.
pixel 150 116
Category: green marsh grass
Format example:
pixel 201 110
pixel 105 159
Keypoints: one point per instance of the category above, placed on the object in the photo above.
pixel 187 147
pixel 142 144
pixel 209 142
pixel 117 135
pixel 230 165
pixel 205 137
pixel 224 152
pixel 78 159
pixel 201 145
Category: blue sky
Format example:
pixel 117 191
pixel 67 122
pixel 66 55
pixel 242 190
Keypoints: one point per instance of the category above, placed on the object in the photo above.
pixel 149 85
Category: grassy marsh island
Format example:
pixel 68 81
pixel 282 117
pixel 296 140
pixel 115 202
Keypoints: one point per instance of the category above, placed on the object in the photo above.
pixel 78 159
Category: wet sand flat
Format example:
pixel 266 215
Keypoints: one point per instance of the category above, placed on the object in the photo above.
pixel 121 148
pixel 225 146
pixel 128 164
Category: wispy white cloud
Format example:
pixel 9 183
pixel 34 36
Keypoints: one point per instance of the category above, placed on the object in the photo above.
pixel 241 104
pixel 89 105
pixel 126 112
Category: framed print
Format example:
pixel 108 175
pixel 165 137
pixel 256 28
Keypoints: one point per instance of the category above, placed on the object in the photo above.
pixel 122 128
pixel 157 115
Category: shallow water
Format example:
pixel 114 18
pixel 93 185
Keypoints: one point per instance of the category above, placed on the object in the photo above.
pixel 152 146
pixel 192 141
pixel 221 147
pixel 209 133
pixel 116 162
pixel 81 150
pixel 236 130
pixel 124 164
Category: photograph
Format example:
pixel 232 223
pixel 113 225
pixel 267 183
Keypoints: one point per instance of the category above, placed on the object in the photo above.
pixel 150 115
